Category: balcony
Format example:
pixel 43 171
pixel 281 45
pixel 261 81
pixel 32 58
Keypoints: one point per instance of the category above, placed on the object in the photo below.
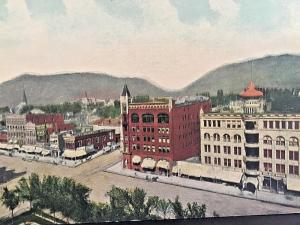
pixel 254 131
pixel 251 145
pixel 251 159
pixel 252 172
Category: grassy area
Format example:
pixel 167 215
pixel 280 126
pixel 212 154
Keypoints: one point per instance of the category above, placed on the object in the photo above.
pixel 31 217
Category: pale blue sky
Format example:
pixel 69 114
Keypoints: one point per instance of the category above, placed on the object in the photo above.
pixel 157 39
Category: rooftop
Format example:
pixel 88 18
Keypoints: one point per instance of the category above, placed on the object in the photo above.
pixel 251 91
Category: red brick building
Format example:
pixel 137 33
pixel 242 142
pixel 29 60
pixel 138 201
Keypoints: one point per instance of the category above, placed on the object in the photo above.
pixel 159 131
pixel 46 124
pixel 99 139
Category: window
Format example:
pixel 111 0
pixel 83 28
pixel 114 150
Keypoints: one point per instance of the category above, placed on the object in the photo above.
pixel 237 150
pixel 227 150
pixel 294 170
pixel 219 123
pixel 294 155
pixel 283 124
pixel 163 118
pixel 271 124
pixel 217 149
pixel 227 162
pixel 238 163
pixel 267 140
pixel 217 161
pixel 226 138
pixel 207 148
pixel 144 129
pixel 205 123
pixel 280 168
pixel 268 167
pixel 237 138
pixel 296 125
pixel 207 159
pixel 134 118
pixel 206 136
pixel 268 153
pixel 280 154
pixel 265 124
pixel 216 137
pixel 148 118
pixel 277 124
pixel 294 141
pixel 290 124
pixel 280 141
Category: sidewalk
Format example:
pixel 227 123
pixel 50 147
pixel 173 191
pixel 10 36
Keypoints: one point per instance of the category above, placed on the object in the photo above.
pixel 281 199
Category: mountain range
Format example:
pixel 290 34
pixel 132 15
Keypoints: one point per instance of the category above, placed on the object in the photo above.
pixel 281 71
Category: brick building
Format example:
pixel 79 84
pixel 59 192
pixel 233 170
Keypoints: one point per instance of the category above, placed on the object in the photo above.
pixel 159 131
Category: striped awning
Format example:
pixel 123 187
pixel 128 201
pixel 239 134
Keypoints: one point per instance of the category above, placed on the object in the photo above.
pixel 148 163
pixel 45 152
pixel 74 153
pixel 164 164
pixel 136 159
pixel 293 183
pixel 28 149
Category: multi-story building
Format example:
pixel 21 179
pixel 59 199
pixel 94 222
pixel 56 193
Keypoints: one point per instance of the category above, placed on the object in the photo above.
pixel 79 145
pixel 262 148
pixel 16 128
pixel 159 131
pixel 30 134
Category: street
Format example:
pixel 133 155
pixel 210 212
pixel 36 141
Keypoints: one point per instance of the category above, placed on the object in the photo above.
pixel 92 175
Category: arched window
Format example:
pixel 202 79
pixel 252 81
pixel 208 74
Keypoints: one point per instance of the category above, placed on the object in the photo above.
pixel 163 118
pixel 134 118
pixel 294 141
pixel 206 136
pixel 280 140
pixel 148 118
pixel 226 138
pixel 216 137
pixel 237 138
pixel 267 140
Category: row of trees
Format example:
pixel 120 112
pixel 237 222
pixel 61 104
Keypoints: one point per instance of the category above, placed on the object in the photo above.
pixel 55 108
pixel 71 199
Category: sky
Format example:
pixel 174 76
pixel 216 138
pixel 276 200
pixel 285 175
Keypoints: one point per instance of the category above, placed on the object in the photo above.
pixel 169 42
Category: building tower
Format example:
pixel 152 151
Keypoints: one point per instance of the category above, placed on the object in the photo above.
pixel 24 97
pixel 124 103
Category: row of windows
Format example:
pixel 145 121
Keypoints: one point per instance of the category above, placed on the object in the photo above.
pixel 151 148
pixel 160 130
pixel 280 154
pixel 226 149
pixel 293 141
pixel 226 162
pixel 226 137
pixel 151 139
pixel 280 168
pixel 149 118
pixel 227 123
pixel 281 124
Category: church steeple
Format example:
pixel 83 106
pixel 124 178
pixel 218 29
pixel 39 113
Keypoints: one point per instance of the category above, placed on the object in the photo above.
pixel 24 97
pixel 125 91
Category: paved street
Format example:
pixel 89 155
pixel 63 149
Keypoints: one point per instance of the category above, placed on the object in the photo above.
pixel 92 175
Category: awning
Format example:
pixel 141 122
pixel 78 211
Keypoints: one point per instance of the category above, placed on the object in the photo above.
pixel 74 153
pixel 252 180
pixel 175 169
pixel 45 152
pixel 3 146
pixel 293 184
pixel 148 163
pixel 208 171
pixel 28 149
pixel 136 159
pixel 164 164
pixel 38 150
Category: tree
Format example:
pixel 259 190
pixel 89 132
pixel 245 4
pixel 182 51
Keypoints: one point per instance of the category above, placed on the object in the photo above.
pixel 29 190
pixel 177 208
pixel 99 212
pixel 163 207
pixel 194 210
pixel 11 200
